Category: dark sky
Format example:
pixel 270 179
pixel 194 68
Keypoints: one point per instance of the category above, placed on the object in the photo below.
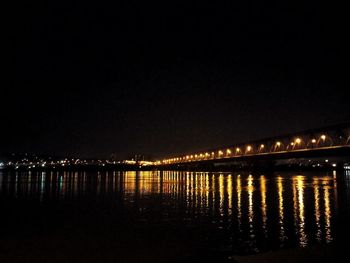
pixel 92 78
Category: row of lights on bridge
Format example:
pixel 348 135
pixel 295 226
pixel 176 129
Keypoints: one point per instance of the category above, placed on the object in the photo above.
pixel 221 153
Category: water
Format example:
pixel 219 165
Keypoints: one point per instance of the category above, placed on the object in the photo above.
pixel 180 213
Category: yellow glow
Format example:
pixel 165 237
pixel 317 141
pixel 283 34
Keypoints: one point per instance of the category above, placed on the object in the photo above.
pixel 278 143
pixel 299 208
pixel 220 153
pixel 263 201
pixel 327 213
pixel 262 146
pixel 250 189
pixel 239 200
pixel 313 140
pixel 280 206
pixel 238 150
pixel 221 194
pixel 249 148
pixel 228 151
pixel 229 192
pixel 297 140
pixel 317 208
pixel 292 143
pixel 323 137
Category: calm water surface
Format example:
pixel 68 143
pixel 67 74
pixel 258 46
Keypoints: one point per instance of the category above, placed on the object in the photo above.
pixel 237 213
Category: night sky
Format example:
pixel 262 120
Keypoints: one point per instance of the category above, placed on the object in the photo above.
pixel 91 78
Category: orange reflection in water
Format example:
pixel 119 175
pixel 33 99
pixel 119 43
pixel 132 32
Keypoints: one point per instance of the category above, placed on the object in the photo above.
pixel 229 193
pixel 263 202
pixel 299 209
pixel 327 214
pixel 239 201
pixel 282 236
pixel 221 194
pixel 317 208
pixel 250 189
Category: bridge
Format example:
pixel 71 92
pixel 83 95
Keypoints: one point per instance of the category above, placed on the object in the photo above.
pixel 331 141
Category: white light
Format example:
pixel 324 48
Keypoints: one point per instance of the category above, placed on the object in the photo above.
pixel 326 161
pixel 334 165
pixel 1 164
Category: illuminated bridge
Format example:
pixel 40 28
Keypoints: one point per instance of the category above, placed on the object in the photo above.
pixel 331 141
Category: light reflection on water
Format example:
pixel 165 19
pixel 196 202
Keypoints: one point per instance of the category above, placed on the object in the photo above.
pixel 256 211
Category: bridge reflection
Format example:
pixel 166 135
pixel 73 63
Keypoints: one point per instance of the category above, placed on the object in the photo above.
pixel 256 209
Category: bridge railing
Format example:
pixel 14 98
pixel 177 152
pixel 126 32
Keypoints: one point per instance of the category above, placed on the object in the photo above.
pixel 333 137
